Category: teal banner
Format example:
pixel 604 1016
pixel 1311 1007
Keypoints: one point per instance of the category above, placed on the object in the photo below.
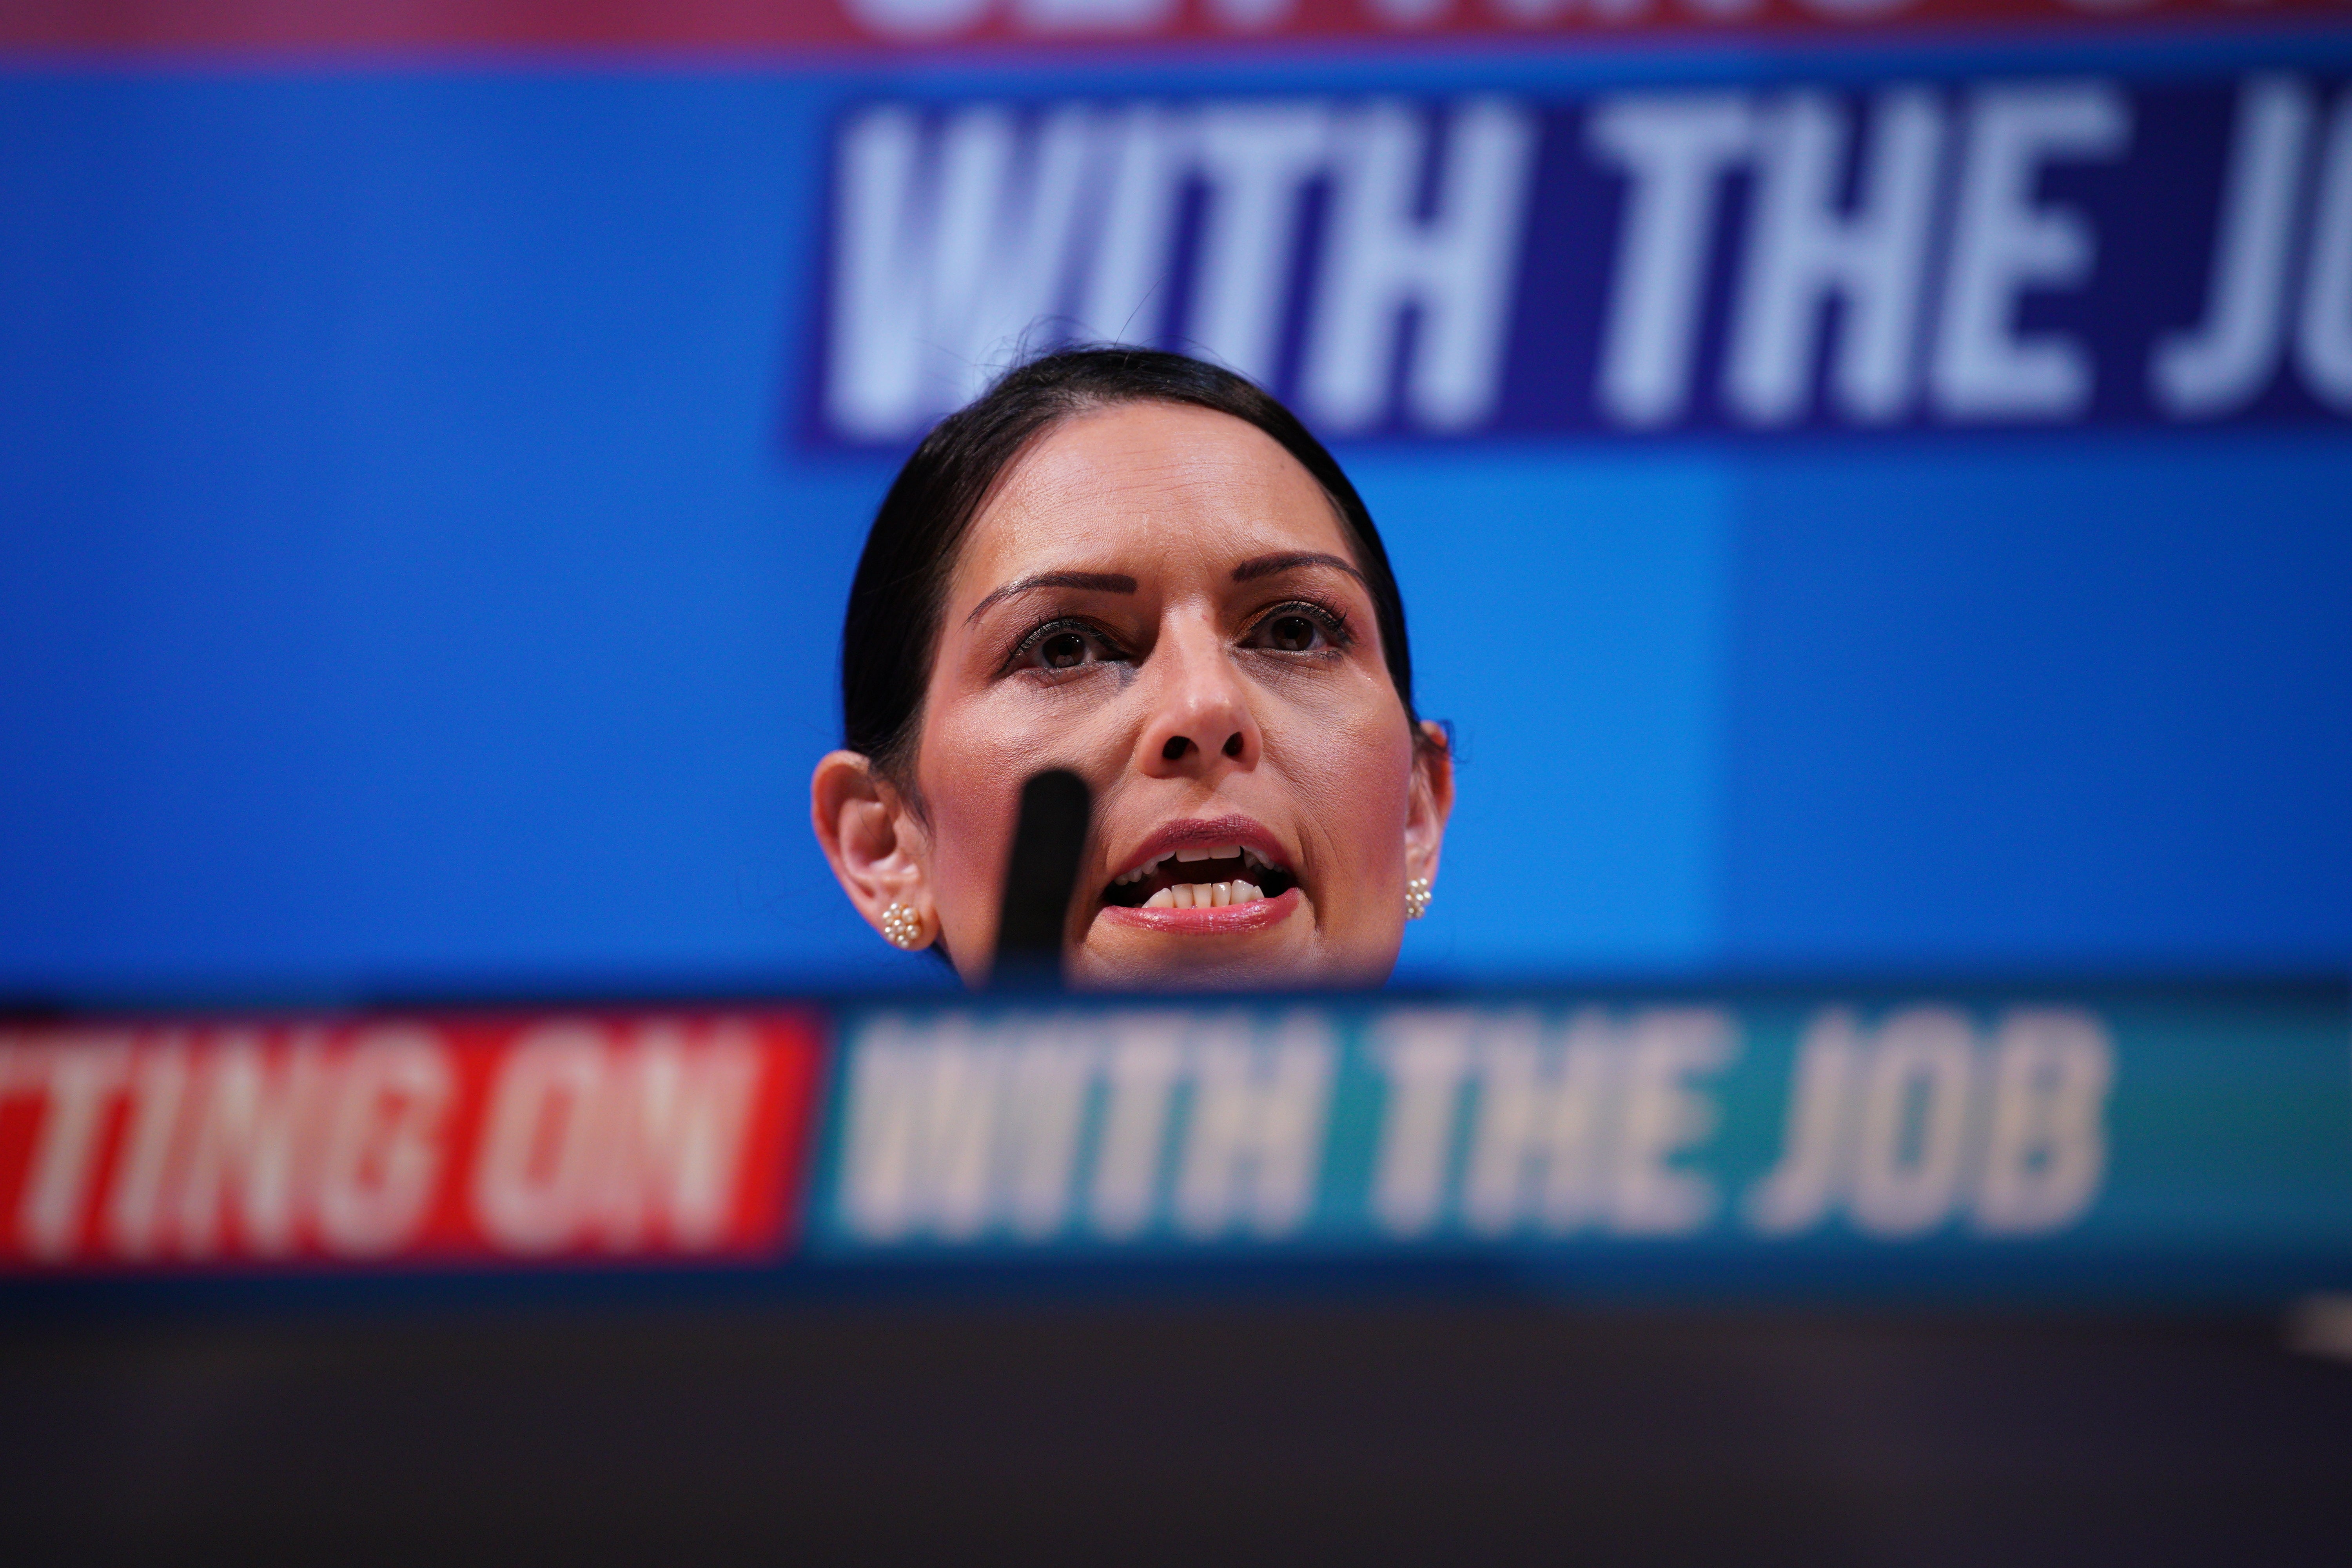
pixel 1955 1142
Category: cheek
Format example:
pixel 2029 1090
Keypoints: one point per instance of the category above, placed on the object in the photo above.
pixel 976 754
pixel 968 773
pixel 1353 770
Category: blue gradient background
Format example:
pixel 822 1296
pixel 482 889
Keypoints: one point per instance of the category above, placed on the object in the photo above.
pixel 411 583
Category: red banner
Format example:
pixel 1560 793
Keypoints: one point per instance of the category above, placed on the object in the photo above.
pixel 546 1138
pixel 300 25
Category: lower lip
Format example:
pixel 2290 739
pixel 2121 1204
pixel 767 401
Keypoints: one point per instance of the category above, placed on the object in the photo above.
pixel 1233 919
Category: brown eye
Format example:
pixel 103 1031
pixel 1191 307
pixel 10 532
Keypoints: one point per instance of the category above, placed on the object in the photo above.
pixel 1063 650
pixel 1292 634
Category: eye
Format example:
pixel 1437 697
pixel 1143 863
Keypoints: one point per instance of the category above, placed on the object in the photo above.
pixel 1293 633
pixel 1064 645
pixel 1298 629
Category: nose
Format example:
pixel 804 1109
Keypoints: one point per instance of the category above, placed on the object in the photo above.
pixel 1201 716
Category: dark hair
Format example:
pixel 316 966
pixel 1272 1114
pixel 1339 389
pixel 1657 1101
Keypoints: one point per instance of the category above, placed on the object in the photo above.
pixel 891 635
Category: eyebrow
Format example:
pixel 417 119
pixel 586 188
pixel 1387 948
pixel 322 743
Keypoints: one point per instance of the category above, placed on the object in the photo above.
pixel 1095 582
pixel 1267 565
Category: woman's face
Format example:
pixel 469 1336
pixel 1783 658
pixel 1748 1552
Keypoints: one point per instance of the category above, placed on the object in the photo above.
pixel 1160 599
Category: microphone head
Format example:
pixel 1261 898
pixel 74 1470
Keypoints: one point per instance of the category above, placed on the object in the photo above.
pixel 1047 844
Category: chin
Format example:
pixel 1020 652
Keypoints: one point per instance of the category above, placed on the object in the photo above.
pixel 1126 959
pixel 1173 971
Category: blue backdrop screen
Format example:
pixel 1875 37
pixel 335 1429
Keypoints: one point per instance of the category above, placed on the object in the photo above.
pixel 1864 512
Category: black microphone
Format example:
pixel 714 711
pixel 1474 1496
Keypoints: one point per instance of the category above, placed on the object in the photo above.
pixel 1055 808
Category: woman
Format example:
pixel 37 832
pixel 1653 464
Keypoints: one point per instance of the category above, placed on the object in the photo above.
pixel 1143 569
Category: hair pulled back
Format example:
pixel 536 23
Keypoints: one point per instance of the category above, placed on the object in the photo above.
pixel 891 633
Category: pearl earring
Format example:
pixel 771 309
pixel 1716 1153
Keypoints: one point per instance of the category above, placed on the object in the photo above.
pixel 903 926
pixel 1416 898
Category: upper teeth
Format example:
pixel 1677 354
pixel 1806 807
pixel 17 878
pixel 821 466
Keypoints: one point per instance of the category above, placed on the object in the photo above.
pixel 1250 858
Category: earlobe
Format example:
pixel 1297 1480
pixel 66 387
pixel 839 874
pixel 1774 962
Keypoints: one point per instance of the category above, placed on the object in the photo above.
pixel 875 847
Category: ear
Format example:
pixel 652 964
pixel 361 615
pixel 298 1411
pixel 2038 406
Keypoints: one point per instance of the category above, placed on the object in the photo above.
pixel 873 839
pixel 1432 802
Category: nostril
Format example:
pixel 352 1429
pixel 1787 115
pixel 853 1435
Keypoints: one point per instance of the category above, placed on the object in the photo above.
pixel 1173 752
pixel 1233 745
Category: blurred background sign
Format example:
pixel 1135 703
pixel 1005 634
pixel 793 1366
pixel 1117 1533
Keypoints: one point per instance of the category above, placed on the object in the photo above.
pixel 1564 268
pixel 821 24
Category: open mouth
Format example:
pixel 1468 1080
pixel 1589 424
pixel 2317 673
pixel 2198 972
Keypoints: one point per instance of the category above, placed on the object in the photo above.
pixel 1199 878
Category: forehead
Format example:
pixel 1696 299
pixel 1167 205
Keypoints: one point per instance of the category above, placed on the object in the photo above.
pixel 1147 489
